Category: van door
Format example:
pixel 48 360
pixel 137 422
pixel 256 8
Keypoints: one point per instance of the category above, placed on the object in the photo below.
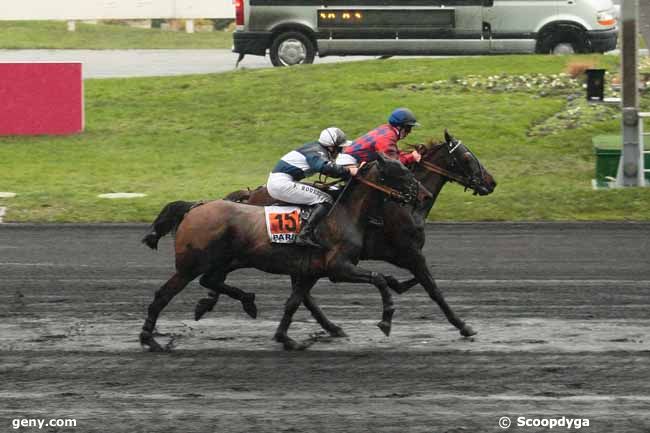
pixel 401 27
pixel 513 24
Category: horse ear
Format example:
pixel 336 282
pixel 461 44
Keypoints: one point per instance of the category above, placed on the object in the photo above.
pixel 448 137
pixel 381 159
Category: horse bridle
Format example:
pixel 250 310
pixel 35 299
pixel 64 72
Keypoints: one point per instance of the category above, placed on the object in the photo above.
pixel 466 181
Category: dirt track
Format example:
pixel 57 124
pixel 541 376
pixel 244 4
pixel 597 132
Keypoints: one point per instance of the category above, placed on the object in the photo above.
pixel 562 318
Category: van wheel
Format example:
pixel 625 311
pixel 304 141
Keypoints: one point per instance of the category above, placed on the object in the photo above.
pixel 564 42
pixel 292 48
pixel 563 48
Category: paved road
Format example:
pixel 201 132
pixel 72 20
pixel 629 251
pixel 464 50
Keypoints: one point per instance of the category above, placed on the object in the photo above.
pixel 145 63
pixel 142 63
pixel 562 312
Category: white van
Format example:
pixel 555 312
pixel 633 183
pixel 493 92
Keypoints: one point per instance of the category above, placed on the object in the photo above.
pixel 295 31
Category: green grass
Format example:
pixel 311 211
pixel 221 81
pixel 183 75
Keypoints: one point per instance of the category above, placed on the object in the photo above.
pixel 54 35
pixel 200 137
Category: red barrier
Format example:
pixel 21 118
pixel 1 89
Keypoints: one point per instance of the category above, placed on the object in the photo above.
pixel 41 98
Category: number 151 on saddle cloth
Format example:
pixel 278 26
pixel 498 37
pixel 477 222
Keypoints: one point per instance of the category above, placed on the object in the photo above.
pixel 282 223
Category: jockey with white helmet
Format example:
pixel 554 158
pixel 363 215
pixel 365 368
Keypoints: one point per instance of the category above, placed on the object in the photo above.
pixel 314 157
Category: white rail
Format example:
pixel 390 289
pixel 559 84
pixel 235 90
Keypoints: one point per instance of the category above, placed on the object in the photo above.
pixel 642 135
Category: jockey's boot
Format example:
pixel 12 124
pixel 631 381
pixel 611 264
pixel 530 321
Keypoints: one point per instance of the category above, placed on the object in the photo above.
pixel 306 237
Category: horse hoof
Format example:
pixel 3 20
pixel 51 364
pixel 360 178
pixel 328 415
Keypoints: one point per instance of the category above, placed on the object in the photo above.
pixel 202 307
pixel 249 306
pixel 385 327
pixel 338 333
pixel 467 331
pixel 149 344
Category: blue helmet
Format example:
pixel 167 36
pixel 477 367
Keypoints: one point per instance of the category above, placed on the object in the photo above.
pixel 402 117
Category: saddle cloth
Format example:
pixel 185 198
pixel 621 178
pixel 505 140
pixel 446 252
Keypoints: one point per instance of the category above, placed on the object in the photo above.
pixel 282 223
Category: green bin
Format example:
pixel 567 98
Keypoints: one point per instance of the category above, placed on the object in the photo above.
pixel 608 152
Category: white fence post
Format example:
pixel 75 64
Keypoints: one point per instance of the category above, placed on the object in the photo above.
pixel 72 26
pixel 189 26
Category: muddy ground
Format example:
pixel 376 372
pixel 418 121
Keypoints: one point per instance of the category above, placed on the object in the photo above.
pixel 562 312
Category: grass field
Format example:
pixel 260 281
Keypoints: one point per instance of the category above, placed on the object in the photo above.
pixel 199 137
pixel 54 35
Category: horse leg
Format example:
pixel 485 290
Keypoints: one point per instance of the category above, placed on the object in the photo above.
pixel 290 308
pixel 215 283
pixel 247 299
pixel 400 287
pixel 347 272
pixel 316 312
pixel 376 246
pixel 331 328
pixel 421 272
pixel 205 305
pixel 163 295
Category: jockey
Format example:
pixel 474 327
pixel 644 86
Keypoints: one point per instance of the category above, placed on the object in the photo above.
pixel 314 157
pixel 384 139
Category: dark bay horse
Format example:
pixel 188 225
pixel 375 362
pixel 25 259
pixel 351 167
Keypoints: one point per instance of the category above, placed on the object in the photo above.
pixel 400 239
pixel 220 236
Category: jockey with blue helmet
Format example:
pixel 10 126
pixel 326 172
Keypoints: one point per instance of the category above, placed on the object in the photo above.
pixel 383 139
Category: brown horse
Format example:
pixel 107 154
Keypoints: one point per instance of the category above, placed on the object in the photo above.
pixel 399 240
pixel 220 236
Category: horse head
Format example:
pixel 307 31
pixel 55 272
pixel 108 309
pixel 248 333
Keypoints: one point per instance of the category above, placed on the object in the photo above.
pixel 453 160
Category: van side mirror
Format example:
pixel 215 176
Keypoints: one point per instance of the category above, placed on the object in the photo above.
pixel 488 3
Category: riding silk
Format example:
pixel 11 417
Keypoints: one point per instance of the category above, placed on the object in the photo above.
pixel 381 139
pixel 282 223
pixel 282 187
pixel 310 159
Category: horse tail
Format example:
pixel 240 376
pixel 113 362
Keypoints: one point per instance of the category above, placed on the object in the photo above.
pixel 239 196
pixel 168 220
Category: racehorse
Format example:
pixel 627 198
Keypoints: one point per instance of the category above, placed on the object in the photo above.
pixel 218 237
pixel 400 239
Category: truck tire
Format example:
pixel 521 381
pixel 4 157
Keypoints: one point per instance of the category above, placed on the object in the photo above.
pixel 292 48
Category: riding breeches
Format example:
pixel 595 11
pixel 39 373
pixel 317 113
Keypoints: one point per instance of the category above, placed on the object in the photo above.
pixel 281 186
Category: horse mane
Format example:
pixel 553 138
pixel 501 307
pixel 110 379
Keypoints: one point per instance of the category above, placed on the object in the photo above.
pixel 425 149
pixel 240 196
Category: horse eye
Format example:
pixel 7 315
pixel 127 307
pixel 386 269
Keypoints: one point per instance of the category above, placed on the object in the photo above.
pixel 467 156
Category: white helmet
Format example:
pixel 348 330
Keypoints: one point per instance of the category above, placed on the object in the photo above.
pixel 333 137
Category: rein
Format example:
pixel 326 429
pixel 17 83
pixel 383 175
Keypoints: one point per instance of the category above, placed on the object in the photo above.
pixel 443 172
pixel 391 192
